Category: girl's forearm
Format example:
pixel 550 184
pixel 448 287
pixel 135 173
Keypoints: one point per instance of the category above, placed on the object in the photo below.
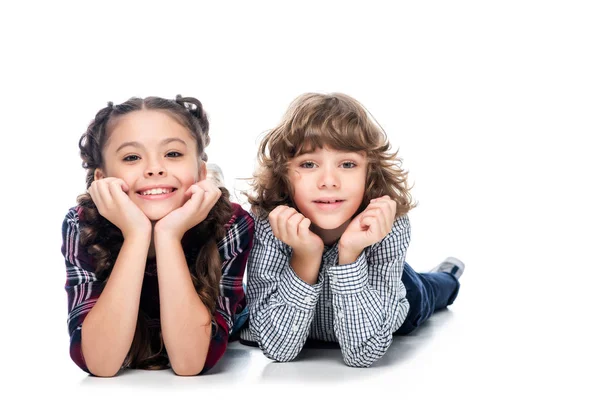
pixel 109 328
pixel 185 320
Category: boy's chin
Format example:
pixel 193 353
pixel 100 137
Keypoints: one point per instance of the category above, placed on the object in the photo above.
pixel 329 225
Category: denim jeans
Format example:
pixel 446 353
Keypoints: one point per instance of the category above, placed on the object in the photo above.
pixel 426 293
pixel 239 320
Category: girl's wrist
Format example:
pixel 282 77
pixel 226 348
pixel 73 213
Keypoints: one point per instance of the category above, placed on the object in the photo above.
pixel 139 236
pixel 162 234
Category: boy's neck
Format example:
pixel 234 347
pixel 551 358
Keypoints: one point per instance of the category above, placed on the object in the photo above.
pixel 330 236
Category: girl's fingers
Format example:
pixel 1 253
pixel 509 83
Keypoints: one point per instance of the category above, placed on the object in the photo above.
pixel 116 188
pixel 103 192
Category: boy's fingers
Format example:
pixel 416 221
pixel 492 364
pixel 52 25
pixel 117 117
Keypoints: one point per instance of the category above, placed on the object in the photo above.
pixel 293 224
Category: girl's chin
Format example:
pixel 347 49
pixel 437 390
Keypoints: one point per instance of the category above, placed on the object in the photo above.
pixel 156 216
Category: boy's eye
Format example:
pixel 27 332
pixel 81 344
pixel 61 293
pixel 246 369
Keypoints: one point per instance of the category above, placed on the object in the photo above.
pixel 131 157
pixel 348 164
pixel 174 154
pixel 308 164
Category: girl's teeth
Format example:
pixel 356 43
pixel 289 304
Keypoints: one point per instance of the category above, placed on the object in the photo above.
pixel 155 191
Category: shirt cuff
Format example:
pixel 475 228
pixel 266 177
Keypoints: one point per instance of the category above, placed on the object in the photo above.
pixel 298 293
pixel 349 278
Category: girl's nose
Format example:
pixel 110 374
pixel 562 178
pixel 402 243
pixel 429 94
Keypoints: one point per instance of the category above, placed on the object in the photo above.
pixel 156 170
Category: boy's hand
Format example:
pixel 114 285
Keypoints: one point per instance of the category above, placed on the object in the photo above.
pixel 292 228
pixel 113 203
pixel 203 196
pixel 367 228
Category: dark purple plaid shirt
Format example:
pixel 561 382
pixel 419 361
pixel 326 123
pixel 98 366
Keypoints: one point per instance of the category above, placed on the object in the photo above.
pixel 83 288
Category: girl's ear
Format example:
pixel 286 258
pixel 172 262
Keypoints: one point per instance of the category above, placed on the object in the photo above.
pixel 98 174
pixel 201 171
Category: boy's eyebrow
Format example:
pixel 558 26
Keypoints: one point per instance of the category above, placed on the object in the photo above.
pixel 162 143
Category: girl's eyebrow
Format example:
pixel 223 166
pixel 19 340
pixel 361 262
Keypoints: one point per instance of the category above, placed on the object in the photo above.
pixel 162 143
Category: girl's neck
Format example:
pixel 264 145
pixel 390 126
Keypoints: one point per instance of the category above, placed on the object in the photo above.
pixel 151 249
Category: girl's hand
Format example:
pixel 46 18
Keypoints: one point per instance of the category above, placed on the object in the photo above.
pixel 204 195
pixel 292 228
pixel 113 203
pixel 370 226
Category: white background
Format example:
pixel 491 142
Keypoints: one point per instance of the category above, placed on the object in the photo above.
pixel 493 106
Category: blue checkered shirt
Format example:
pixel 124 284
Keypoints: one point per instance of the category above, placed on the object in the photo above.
pixel 358 305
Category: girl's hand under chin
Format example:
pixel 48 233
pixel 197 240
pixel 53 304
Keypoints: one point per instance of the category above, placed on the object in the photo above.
pixel 113 203
pixel 204 195
pixel 370 226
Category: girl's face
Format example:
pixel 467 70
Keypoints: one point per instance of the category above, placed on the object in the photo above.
pixel 157 158
pixel 329 186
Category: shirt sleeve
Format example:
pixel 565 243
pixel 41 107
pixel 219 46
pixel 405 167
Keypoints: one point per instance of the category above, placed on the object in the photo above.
pixel 282 306
pixel 369 298
pixel 82 286
pixel 234 249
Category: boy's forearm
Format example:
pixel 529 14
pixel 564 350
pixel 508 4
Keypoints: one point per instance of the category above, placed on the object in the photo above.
pixel 109 328
pixel 185 320
pixel 307 265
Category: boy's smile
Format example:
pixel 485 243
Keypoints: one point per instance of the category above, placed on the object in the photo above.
pixel 328 186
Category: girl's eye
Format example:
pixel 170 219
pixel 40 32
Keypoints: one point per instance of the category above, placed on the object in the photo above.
pixel 131 158
pixel 173 154
pixel 308 164
pixel 348 164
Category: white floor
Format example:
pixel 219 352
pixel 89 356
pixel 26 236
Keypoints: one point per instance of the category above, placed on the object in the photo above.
pixel 483 345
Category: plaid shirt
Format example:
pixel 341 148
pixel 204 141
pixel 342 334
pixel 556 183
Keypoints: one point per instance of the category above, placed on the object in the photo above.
pixel 358 305
pixel 83 288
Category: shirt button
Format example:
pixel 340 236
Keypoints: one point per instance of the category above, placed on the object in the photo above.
pixel 333 279
pixel 294 328
pixel 340 315
pixel 308 299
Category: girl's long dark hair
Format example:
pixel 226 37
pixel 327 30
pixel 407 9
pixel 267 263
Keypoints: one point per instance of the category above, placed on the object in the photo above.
pixel 103 240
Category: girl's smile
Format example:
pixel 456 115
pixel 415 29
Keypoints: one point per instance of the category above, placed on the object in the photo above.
pixel 156 157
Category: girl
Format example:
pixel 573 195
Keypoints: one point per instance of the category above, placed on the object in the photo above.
pixel 155 253
pixel 330 202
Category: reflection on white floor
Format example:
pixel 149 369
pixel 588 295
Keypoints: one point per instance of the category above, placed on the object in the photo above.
pixel 487 344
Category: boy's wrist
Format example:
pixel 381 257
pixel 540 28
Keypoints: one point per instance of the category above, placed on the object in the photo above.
pixel 347 255
pixel 306 265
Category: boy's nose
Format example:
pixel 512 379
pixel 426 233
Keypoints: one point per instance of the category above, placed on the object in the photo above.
pixel 329 179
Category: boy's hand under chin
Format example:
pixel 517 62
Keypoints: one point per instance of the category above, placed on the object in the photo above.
pixel 292 228
pixel 367 228
pixel 203 196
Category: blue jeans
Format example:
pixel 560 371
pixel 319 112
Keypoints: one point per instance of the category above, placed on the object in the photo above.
pixel 426 293
pixel 239 320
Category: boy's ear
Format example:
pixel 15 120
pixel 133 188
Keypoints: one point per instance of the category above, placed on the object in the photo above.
pixel 98 174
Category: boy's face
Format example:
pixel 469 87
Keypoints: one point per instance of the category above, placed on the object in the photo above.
pixel 156 157
pixel 329 186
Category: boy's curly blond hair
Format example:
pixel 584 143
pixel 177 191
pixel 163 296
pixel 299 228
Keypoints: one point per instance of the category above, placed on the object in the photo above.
pixel 336 121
